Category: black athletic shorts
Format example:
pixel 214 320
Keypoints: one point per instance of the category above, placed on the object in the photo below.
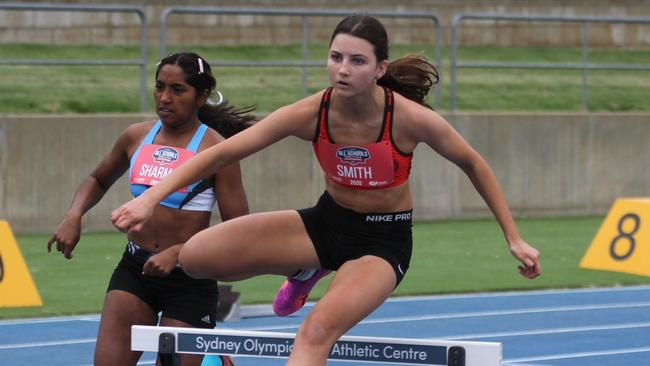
pixel 340 235
pixel 178 296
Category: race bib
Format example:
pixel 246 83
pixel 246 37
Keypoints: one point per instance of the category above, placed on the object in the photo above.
pixel 155 162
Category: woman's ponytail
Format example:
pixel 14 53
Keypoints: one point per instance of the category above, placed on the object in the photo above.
pixel 411 76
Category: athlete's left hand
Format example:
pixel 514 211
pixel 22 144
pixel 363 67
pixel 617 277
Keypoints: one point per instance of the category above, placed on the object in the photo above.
pixel 161 264
pixel 528 256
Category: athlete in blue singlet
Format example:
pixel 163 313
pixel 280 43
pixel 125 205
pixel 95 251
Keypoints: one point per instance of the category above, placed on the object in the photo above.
pixel 151 163
pixel 147 281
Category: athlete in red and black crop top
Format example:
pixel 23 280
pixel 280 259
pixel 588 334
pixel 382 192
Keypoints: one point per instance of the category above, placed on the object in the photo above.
pixel 370 166
pixel 363 234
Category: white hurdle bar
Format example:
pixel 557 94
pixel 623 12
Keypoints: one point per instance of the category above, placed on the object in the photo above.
pixel 170 341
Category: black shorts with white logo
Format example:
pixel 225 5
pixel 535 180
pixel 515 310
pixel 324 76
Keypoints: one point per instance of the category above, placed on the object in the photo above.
pixel 178 296
pixel 340 235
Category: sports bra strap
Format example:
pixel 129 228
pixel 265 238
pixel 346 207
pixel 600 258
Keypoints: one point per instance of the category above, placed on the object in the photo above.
pixel 387 124
pixel 321 125
pixel 148 139
pixel 193 146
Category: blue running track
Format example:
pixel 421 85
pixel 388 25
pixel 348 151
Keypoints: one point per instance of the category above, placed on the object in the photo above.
pixel 586 327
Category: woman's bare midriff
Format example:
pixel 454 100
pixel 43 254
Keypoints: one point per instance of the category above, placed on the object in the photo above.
pixel 169 226
pixel 394 199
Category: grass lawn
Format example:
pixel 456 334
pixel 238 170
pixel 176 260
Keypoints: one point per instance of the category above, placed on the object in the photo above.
pixel 449 257
pixel 115 89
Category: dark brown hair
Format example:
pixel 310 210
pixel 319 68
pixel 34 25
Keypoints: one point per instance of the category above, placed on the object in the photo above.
pixel 412 76
pixel 224 118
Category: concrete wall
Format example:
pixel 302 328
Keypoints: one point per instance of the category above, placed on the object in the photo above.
pixel 548 164
pixel 123 28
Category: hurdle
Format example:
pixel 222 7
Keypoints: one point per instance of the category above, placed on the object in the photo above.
pixel 168 342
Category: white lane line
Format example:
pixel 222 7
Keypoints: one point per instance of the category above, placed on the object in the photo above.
pixel 548 331
pixel 58 319
pixel 536 310
pixel 563 356
pixel 566 291
pixel 47 344
pixel 153 362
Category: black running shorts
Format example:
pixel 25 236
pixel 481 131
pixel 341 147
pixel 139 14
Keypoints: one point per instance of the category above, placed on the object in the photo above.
pixel 178 296
pixel 340 235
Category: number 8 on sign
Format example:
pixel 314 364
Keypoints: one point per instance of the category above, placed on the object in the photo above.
pixel 625 235
pixel 622 243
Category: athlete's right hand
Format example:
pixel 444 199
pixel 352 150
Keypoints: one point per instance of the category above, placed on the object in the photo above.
pixel 66 236
pixel 131 216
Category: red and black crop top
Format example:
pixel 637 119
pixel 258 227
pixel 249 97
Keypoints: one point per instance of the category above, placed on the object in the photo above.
pixel 370 166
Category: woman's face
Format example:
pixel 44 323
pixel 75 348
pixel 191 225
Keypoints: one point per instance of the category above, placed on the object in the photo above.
pixel 352 65
pixel 176 100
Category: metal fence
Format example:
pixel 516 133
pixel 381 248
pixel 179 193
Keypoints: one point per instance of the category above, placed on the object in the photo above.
pixel 584 66
pixel 305 63
pixel 142 62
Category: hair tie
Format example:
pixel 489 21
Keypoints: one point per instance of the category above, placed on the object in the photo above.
pixel 200 66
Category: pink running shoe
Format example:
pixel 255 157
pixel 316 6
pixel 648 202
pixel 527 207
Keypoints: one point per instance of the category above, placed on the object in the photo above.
pixel 293 293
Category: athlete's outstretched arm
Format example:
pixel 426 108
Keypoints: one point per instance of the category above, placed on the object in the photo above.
pixel 286 121
pixel 436 132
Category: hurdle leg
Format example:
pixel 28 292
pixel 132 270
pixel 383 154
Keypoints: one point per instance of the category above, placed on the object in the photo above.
pixel 456 356
pixel 167 350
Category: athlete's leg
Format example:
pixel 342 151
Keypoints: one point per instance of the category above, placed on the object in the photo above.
pixel 262 243
pixel 121 311
pixel 357 289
